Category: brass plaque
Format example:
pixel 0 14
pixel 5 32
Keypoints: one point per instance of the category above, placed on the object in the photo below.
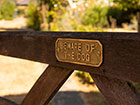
pixel 79 51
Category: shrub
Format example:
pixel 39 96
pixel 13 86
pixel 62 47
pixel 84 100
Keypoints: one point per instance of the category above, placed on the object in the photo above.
pixel 96 16
pixel 120 15
pixel 85 77
pixel 21 11
pixel 33 16
pixel 7 9
pixel 137 86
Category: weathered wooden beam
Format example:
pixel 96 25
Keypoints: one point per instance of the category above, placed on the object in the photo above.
pixel 121 51
pixel 47 86
pixel 4 101
pixel 115 91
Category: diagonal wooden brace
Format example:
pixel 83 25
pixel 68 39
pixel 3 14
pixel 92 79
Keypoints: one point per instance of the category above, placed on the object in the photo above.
pixel 115 91
pixel 4 101
pixel 47 86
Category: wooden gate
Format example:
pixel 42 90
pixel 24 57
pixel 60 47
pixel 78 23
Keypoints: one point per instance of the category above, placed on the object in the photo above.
pixel 112 59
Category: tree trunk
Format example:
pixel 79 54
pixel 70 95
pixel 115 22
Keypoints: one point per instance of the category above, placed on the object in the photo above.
pixel 138 18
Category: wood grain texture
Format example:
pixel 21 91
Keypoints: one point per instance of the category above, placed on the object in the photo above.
pixel 121 51
pixel 116 92
pixel 4 101
pixel 47 86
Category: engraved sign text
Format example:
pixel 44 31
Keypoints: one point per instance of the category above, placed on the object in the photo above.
pixel 79 51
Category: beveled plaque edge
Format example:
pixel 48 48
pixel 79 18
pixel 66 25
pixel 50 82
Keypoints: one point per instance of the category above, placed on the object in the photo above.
pixel 78 63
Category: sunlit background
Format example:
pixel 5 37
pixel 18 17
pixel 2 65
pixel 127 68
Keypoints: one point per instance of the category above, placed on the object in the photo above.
pixel 17 76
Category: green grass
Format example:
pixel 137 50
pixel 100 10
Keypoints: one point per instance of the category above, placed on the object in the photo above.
pixel 137 87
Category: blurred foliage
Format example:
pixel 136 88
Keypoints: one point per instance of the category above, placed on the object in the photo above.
pixel 119 14
pixel 137 87
pixel 7 9
pixel 41 15
pixel 96 16
pixel 128 4
pixel 52 8
pixel 85 77
pixel 21 11
pixel 53 4
pixel 114 12
pixel 124 10
pixel 33 16
pixel 86 28
pixel 54 15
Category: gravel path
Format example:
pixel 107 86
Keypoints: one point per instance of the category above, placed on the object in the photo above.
pixel 68 98
pixel 71 92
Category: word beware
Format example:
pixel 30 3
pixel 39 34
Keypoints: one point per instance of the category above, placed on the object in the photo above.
pixel 79 51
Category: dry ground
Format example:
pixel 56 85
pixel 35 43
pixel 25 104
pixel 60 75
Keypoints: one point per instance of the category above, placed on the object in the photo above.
pixel 17 76
pixel 17 23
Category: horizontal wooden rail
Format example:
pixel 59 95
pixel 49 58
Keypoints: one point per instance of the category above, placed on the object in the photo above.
pixel 121 51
